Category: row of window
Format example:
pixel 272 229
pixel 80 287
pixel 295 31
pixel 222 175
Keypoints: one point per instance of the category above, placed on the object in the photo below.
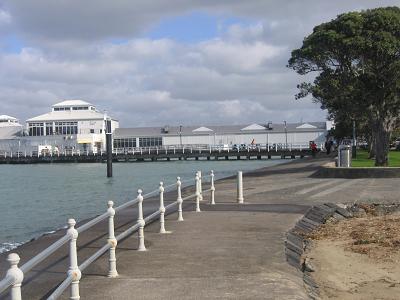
pixel 125 143
pixel 150 141
pixel 73 108
pixel 38 129
pixel 143 142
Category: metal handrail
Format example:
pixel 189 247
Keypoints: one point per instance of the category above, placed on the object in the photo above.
pixel 10 278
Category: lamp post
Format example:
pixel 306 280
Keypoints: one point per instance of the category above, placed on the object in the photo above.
pixel 180 135
pixel 285 134
pixel 354 147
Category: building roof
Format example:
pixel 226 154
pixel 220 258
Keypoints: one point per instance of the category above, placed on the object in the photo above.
pixel 224 129
pixel 5 117
pixel 68 116
pixel 72 103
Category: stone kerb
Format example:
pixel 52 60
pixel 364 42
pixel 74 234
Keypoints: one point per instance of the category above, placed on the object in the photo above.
pixel 330 171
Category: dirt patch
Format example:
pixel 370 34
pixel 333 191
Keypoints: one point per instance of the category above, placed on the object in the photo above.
pixel 358 258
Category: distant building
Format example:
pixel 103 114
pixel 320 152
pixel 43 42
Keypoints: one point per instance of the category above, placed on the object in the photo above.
pixel 71 124
pixel 293 134
pixel 10 127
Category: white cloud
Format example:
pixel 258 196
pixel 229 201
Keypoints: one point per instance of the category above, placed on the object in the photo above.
pixel 237 77
pixel 5 17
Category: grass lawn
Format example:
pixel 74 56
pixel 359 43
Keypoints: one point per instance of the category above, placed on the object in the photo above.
pixel 363 161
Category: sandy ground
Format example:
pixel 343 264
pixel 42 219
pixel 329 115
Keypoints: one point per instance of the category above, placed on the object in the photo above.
pixel 358 258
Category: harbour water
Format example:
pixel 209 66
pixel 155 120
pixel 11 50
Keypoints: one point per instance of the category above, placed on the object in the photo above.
pixel 36 199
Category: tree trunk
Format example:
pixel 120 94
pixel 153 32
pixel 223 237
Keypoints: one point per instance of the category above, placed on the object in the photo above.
pixel 371 146
pixel 382 132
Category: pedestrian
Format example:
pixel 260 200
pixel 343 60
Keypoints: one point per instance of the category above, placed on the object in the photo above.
pixel 328 146
pixel 313 148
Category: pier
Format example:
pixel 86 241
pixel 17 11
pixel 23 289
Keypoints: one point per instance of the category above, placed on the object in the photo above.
pixel 158 154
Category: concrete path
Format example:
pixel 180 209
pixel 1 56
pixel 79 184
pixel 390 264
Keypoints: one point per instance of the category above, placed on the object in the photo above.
pixel 227 251
pixel 211 255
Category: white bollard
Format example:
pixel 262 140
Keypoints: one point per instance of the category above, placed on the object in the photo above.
pixel 179 199
pixel 240 187
pixel 197 193
pixel 112 272
pixel 200 186
pixel 73 271
pixel 212 188
pixel 16 274
pixel 162 209
pixel 141 222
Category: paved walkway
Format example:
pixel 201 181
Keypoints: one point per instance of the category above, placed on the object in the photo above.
pixel 227 251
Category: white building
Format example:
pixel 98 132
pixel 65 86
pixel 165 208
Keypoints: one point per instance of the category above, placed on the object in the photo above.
pixel 71 124
pixel 10 127
pixel 292 134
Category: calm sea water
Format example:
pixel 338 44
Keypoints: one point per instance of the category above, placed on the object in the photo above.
pixel 36 199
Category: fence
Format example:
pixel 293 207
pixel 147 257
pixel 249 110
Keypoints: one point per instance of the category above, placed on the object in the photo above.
pixel 15 275
pixel 168 149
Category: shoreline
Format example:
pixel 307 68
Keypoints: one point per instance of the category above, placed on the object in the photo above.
pixel 4 250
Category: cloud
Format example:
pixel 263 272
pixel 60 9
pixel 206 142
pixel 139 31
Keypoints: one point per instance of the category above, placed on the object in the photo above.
pixel 97 50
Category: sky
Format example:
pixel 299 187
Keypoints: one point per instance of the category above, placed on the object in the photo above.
pixel 159 62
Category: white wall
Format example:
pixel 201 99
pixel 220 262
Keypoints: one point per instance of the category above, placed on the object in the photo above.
pixel 261 138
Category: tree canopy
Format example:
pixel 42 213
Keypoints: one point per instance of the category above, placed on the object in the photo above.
pixel 356 58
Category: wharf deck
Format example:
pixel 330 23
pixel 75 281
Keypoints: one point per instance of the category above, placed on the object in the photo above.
pixel 156 155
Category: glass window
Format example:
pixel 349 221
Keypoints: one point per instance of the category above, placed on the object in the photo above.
pixel 150 141
pixel 124 143
pixel 36 129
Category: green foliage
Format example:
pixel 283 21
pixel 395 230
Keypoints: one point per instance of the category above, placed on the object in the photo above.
pixel 357 61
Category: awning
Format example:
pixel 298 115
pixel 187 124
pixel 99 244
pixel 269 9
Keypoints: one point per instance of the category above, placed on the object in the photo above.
pixel 87 141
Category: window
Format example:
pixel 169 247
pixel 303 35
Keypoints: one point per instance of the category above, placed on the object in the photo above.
pixel 61 108
pixel 150 141
pixel 49 128
pixel 36 129
pixel 91 130
pixel 80 108
pixel 124 143
pixel 66 128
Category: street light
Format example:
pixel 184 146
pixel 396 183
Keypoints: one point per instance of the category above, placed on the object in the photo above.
pixel 285 134
pixel 180 135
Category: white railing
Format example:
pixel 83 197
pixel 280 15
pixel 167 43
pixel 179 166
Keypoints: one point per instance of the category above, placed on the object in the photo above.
pixel 15 275
pixel 175 149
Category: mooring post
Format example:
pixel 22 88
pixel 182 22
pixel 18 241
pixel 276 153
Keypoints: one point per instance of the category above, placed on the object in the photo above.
pixel 200 186
pixel 112 260
pixel 109 147
pixel 162 208
pixel 197 193
pixel 240 187
pixel 212 188
pixel 17 276
pixel 73 271
pixel 141 222
pixel 179 199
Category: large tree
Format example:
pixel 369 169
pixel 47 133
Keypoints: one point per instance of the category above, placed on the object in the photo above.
pixel 356 59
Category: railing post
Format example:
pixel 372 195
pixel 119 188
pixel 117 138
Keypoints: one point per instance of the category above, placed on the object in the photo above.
pixel 240 187
pixel 162 208
pixel 212 188
pixel 16 274
pixel 197 193
pixel 141 222
pixel 73 271
pixel 179 199
pixel 200 186
pixel 112 260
